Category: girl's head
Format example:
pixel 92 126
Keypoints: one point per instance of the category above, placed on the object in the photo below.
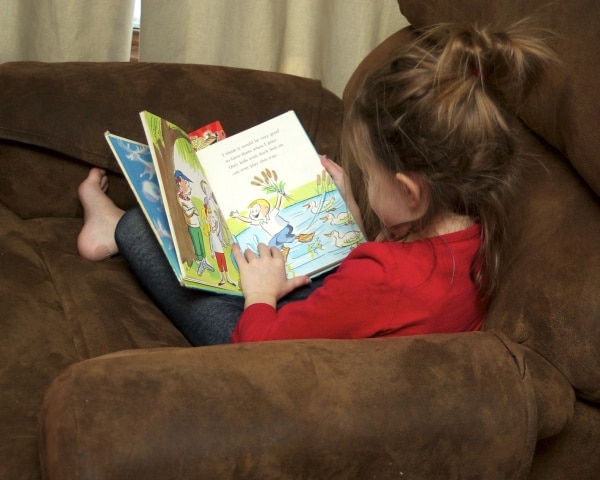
pixel 441 117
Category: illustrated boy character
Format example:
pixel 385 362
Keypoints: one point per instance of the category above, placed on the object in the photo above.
pixel 210 204
pixel 217 247
pixel 261 214
pixel 192 218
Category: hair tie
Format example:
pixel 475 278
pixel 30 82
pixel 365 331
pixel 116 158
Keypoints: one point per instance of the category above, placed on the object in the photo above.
pixel 476 73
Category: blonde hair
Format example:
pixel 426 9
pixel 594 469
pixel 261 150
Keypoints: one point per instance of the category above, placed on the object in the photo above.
pixel 262 203
pixel 444 112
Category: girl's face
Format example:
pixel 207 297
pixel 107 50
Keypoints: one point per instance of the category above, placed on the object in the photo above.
pixel 396 198
pixel 387 195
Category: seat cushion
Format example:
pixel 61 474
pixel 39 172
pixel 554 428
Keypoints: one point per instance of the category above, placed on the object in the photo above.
pixel 58 309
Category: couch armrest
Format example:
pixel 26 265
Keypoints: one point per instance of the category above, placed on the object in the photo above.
pixel 439 406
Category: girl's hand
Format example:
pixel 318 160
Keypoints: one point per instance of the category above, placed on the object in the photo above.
pixel 262 276
pixel 339 178
pixel 336 173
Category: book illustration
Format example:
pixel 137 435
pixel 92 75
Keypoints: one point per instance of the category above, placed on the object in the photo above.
pixel 136 162
pixel 185 192
pixel 298 228
pixel 266 216
pixel 217 248
pixel 345 239
pixel 193 220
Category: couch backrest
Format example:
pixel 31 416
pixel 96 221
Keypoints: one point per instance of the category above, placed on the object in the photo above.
pixel 566 111
pixel 53 117
pixel 67 107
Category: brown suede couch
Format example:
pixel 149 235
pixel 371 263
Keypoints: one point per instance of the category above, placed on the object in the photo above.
pixel 96 383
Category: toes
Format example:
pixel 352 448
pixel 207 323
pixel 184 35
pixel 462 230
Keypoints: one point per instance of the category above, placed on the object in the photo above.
pixel 104 184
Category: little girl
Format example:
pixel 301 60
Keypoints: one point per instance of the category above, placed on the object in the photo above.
pixel 429 157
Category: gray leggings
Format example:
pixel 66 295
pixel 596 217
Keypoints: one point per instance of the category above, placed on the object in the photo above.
pixel 203 318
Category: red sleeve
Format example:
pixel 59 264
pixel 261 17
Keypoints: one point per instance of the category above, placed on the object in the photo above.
pixel 382 289
pixel 348 305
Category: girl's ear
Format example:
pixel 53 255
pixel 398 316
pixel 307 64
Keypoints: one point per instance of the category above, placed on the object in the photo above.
pixel 414 191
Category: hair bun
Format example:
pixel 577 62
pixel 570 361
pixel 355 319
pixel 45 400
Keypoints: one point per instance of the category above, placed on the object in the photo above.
pixel 506 61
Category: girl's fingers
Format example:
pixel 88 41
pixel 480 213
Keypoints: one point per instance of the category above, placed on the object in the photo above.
pixel 263 250
pixel 237 253
pixel 248 255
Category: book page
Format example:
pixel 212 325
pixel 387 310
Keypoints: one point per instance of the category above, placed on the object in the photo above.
pixel 272 189
pixel 201 238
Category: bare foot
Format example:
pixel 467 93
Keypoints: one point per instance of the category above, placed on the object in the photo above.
pixel 96 241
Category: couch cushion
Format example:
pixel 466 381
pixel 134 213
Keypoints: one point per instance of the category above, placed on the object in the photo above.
pixel 572 454
pixel 57 309
pixel 38 182
pixel 566 112
pixel 53 117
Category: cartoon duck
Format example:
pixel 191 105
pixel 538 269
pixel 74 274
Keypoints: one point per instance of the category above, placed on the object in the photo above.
pixel 343 218
pixel 317 207
pixel 349 239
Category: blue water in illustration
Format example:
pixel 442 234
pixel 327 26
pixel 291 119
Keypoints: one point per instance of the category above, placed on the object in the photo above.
pixel 322 215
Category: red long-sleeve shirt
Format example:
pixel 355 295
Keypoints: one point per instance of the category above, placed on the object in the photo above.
pixel 382 289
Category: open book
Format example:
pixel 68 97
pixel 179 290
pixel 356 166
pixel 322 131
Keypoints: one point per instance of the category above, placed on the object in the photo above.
pixel 202 192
